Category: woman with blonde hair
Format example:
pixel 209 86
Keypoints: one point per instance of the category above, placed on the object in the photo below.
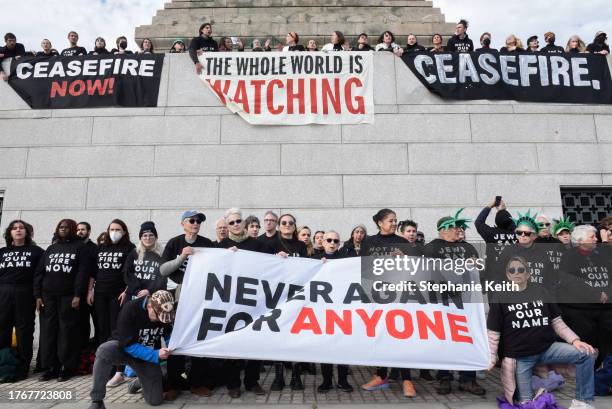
pixel 575 45
pixel 513 45
pixel 304 234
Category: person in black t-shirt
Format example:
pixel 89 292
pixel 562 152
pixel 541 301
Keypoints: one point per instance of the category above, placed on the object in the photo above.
pixel 99 47
pixel 270 223
pixel 513 45
pixel 304 234
pixel 136 342
pixel 74 49
pixel 252 226
pixel 533 44
pixel 527 326
pixel 175 258
pixel 18 262
pixel 460 42
pixel 83 232
pixel 47 49
pixel 60 283
pixel 362 43
pixel 11 49
pixel 221 231
pixel 599 45
pixel 201 44
pixel 550 47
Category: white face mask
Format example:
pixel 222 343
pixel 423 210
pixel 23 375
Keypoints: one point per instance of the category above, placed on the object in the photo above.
pixel 115 236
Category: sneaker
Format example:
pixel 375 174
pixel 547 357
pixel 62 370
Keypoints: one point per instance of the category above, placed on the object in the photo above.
pixel 97 405
pixel 444 387
pixel 134 387
pixel 473 388
pixel 578 404
pixel 325 387
pixel 277 384
pixel 408 389
pixel 64 375
pixel 344 386
pixel 376 383
pixel 117 379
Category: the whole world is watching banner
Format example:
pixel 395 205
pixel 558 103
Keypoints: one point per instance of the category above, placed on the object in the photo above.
pixel 127 80
pixel 533 77
pixel 248 305
pixel 274 88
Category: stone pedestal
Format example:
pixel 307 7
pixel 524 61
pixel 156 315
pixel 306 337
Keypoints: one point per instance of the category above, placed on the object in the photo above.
pixel 311 19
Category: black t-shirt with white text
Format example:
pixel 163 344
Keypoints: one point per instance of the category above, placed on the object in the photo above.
pixel 135 327
pixel 525 324
pixel 439 248
pixel 293 247
pixel 143 274
pixel 72 51
pixel 110 261
pixel 18 264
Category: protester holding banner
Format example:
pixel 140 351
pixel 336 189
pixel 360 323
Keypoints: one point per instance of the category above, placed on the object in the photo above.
pixel 146 46
pixel 386 42
pixel 252 226
pixel 200 44
pixel 303 233
pixel 175 259
pixel 412 45
pixel 11 49
pixel 99 47
pixel 59 283
pixel 18 261
pixel 291 40
pixel 448 246
pixel 336 43
pixel 74 49
pixel 460 42
pixel 485 42
pixel 527 325
pixel 362 43
pixel 352 247
pixel 436 40
pixel 121 44
pixel 221 231
pixel 312 45
pixel 270 234
pixel 550 38
pixel 599 45
pixel 141 325
pixel 513 45
pixel 575 45
pixel 331 246
pixel 47 49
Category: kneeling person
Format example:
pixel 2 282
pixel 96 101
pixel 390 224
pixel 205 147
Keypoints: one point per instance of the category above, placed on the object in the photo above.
pixel 136 342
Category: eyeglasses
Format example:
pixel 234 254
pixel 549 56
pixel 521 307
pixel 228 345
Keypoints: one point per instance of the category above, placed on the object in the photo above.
pixel 287 223
pixel 335 241
pixel 194 221
pixel 269 220
pixel 233 222
pixel 546 224
pixel 518 270
pixel 523 233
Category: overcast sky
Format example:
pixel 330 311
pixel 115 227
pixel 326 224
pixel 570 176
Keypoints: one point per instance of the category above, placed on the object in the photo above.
pixel 32 20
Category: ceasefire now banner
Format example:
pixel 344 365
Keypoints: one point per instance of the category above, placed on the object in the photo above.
pixel 534 77
pixel 128 80
pixel 294 88
pixel 248 305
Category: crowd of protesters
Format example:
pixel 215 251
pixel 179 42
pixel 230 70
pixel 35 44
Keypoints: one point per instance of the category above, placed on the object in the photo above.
pixel 204 42
pixel 129 286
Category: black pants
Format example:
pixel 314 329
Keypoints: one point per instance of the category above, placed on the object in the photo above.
pixel 593 326
pixel 60 340
pixel 233 367
pixel 464 376
pixel 17 309
pixel 327 371
pixel 200 372
pixel 106 306
pixel 404 373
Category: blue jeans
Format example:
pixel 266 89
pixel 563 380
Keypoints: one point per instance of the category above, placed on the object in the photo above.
pixel 557 353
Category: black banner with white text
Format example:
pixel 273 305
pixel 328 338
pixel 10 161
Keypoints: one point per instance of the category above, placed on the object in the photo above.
pixel 533 77
pixel 88 81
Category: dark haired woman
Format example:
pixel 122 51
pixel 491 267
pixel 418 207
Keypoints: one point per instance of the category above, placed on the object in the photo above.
pixel 336 44
pixel 18 261
pixel 352 247
pixel 61 278
pixel 106 286
pixel 146 46
pixel 288 245
pixel 387 243
pixel 386 42
pixel 99 47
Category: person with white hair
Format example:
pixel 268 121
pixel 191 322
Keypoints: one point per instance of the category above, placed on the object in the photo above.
pixel 220 231
pixel 584 290
pixel 545 234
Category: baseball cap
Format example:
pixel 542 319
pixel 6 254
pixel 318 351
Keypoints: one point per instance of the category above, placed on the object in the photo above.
pixel 163 305
pixel 193 213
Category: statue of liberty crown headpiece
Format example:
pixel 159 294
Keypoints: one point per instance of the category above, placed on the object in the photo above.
pixel 563 224
pixel 453 221
pixel 529 220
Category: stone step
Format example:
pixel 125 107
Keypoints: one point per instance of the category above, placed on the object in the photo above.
pixel 175 4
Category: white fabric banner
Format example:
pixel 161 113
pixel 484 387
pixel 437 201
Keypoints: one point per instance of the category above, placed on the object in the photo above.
pixel 293 88
pixel 258 306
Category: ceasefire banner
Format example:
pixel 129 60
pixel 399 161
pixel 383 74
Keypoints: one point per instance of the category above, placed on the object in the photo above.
pixel 123 80
pixel 534 77
pixel 248 305
pixel 293 88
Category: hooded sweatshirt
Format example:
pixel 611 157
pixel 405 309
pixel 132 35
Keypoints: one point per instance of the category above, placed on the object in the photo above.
pixel 18 264
pixel 143 274
pixel 460 45
pixel 587 274
pixel 110 262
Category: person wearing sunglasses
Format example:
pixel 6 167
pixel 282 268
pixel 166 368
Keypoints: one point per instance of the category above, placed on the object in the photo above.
pixel 527 326
pixel 584 290
pixel 239 238
pixel 175 258
pixel 288 245
pixel 331 247
pixel 545 233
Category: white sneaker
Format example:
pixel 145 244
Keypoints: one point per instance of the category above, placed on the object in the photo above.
pixel 116 380
pixel 578 404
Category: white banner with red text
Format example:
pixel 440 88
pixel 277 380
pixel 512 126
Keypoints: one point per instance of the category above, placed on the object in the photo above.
pixel 293 88
pixel 249 305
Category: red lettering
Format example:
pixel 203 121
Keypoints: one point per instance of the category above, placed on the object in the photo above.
pixel 97 86
pixel 348 93
pixel 299 95
pixel 437 327
pixel 392 328
pixel 453 319
pixel 56 88
pixel 72 89
pixel 344 323
pixel 241 96
pixel 370 322
pixel 329 96
pixel 257 84
pixel 216 86
pixel 270 97
pixel 306 321
pixel 314 103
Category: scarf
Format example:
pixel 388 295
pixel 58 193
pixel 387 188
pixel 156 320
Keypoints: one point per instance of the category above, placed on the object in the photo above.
pixel 240 238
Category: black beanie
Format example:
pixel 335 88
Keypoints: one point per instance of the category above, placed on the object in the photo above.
pixel 145 227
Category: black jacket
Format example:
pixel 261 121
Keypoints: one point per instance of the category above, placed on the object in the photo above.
pixel 416 48
pixel 552 49
pixel 598 47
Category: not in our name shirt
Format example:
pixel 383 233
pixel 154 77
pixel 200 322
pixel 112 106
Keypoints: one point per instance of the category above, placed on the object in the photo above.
pixel 143 274
pixel 525 323
pixel 384 245
pixel 18 264
pixel 135 327
pixel 542 270
pixel 110 262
